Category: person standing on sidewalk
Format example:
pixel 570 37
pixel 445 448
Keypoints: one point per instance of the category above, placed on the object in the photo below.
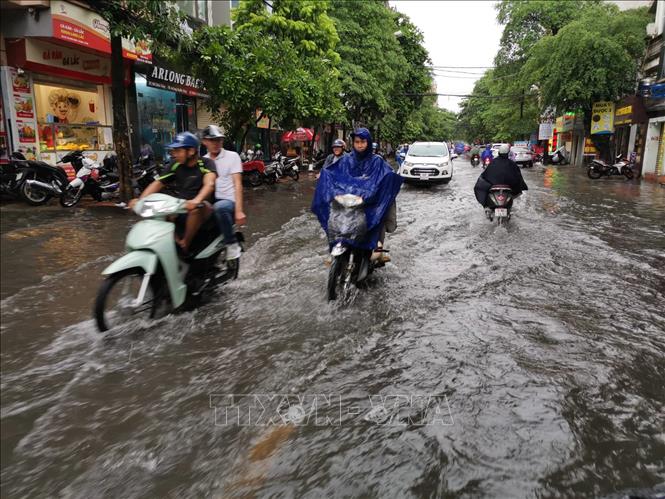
pixel 228 188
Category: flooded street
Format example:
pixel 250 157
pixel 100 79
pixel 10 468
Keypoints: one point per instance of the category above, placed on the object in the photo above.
pixel 538 350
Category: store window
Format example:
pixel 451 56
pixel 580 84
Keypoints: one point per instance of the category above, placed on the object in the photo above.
pixel 157 117
pixel 71 118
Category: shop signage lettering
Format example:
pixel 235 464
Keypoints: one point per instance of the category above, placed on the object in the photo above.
pixel 173 77
pixel 72 60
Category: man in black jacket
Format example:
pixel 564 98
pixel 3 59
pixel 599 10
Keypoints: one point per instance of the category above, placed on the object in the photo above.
pixel 501 171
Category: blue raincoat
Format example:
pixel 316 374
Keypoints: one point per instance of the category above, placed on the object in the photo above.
pixel 364 174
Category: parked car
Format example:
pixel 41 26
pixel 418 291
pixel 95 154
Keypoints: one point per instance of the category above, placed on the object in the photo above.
pixel 428 162
pixel 495 148
pixel 522 156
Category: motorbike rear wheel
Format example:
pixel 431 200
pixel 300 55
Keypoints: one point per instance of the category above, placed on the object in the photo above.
pixel 70 197
pixel 593 173
pixel 337 275
pixel 34 197
pixel 255 179
pixel 114 304
pixel 294 174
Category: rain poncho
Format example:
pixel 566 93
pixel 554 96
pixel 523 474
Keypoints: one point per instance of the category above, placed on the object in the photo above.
pixel 366 175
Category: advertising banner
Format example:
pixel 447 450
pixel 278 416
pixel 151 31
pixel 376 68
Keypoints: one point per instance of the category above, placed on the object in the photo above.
pixel 602 118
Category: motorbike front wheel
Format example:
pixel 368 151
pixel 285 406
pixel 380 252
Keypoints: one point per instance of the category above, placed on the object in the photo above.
pixel 294 174
pixel 593 173
pixel 34 197
pixel 338 281
pixel 628 173
pixel 116 300
pixel 70 197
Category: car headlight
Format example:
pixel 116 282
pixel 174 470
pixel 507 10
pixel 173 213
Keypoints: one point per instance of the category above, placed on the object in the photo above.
pixel 408 164
pixel 349 200
pixel 445 163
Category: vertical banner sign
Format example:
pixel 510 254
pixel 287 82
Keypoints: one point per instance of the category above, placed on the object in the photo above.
pixel 19 109
pixel 602 118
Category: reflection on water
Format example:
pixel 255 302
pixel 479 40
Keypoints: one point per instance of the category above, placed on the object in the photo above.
pixel 545 338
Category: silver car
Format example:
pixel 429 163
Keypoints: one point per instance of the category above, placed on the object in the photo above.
pixel 522 156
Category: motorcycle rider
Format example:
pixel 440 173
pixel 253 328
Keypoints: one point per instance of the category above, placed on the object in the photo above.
pixel 228 205
pixel 192 178
pixel 362 171
pixel 338 147
pixel 501 171
pixel 487 153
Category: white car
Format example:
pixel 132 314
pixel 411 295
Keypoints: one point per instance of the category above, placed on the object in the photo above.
pixel 522 156
pixel 428 162
pixel 495 148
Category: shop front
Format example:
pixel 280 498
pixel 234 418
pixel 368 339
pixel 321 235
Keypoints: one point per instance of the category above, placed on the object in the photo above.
pixel 630 126
pixel 58 99
pixel 166 104
pixel 56 90
pixel 653 167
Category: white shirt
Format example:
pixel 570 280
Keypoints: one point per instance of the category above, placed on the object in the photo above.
pixel 227 163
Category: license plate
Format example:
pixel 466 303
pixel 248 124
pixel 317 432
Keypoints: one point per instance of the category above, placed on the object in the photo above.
pixel 500 212
pixel 19 176
pixel 424 176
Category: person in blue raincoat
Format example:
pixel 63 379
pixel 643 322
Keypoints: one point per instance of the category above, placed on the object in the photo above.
pixel 367 175
pixel 487 153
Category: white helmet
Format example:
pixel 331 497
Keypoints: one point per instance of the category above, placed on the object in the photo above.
pixel 504 149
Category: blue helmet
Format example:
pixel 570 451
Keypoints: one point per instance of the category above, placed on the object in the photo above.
pixel 184 139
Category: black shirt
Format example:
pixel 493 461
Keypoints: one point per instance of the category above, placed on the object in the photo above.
pixel 187 181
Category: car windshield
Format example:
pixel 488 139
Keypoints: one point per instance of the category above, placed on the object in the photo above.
pixel 428 150
pixel 520 150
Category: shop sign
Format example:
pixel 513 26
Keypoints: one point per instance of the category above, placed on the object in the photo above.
pixel 623 115
pixel 545 131
pixel 167 79
pixel 84 27
pixel 602 118
pixel 263 122
pixel 567 123
pixel 67 61
pixel 20 112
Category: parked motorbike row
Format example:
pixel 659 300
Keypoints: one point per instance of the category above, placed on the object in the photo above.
pixel 71 178
pixel 256 172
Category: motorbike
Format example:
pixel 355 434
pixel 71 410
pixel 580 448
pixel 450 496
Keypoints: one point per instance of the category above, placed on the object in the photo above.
pixel 12 174
pixel 144 172
pixel 475 160
pixel 43 181
pixel 282 166
pixel 350 265
pixel 500 202
pixel 486 162
pixel 152 279
pixel 101 182
pixel 598 168
pixel 558 157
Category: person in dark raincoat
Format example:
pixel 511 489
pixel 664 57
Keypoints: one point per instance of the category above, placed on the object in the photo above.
pixel 501 171
pixel 366 175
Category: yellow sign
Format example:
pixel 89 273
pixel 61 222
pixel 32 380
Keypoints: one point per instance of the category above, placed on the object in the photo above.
pixel 623 116
pixel 602 117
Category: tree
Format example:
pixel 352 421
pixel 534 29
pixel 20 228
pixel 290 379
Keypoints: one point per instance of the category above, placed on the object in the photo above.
pixel 596 58
pixel 158 22
pixel 283 63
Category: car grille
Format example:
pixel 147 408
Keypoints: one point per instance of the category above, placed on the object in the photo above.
pixel 417 171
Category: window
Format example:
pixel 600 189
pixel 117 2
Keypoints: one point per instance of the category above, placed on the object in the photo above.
pixel 434 149
pixel 197 9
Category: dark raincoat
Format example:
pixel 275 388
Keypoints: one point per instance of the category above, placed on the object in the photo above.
pixel 501 171
pixel 366 175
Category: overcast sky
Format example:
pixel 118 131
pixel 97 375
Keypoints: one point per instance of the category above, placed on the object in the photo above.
pixel 457 33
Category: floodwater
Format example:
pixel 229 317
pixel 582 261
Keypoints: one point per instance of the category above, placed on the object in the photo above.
pixel 484 361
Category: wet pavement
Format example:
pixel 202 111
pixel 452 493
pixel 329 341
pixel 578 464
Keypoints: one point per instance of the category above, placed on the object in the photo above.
pixel 484 361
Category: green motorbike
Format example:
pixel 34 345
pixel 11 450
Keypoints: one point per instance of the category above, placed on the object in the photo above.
pixel 152 279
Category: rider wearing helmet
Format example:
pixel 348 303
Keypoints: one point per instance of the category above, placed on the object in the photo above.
pixel 228 188
pixel 191 178
pixel 338 147
pixel 501 171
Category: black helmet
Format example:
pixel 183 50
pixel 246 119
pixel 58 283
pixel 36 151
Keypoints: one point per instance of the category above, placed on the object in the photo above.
pixel 339 143
pixel 212 132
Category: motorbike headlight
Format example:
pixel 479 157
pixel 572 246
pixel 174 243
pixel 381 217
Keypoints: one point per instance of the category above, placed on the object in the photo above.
pixel 349 200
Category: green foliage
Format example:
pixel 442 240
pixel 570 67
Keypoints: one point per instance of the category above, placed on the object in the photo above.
pixel 596 58
pixel 282 63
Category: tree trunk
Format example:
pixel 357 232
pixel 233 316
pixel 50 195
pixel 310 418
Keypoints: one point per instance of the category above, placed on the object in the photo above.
pixel 120 129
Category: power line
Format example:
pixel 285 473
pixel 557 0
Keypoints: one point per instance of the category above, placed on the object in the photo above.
pixel 461 67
